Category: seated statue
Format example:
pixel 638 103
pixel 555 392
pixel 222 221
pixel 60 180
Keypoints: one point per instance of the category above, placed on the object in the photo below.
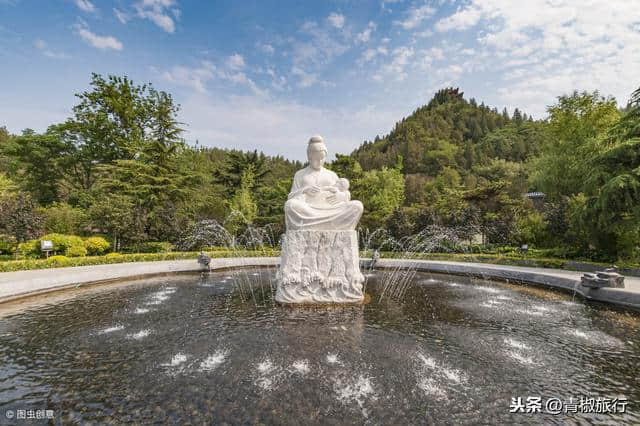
pixel 319 200
pixel 319 261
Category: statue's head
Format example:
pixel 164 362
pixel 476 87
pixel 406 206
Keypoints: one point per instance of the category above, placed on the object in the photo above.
pixel 316 152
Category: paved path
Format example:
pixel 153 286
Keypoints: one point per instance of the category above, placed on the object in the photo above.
pixel 14 285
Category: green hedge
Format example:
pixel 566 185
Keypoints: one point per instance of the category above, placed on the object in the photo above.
pixel 501 259
pixel 62 261
pixel 150 247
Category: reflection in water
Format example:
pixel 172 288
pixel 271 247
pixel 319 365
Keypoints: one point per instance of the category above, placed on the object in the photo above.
pixel 191 349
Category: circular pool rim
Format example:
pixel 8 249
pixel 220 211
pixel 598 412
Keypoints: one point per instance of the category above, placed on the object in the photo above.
pixel 27 284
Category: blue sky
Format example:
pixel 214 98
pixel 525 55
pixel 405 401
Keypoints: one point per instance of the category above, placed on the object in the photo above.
pixel 267 75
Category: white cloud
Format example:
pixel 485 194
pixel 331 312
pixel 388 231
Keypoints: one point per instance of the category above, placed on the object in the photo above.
pixel 305 79
pixel 278 82
pixel 336 19
pixel 365 35
pixel 97 41
pixel 396 68
pixel 461 20
pixel 197 77
pixel 315 49
pixel 370 54
pixel 43 47
pixel 415 16
pixel 121 16
pixel 280 127
pixel 194 78
pixel 235 62
pixel 544 49
pixel 384 3
pixel 85 6
pixel 426 58
pixel 241 79
pixel 157 11
pixel 266 48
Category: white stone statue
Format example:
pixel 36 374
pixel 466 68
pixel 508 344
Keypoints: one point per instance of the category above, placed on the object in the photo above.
pixel 320 259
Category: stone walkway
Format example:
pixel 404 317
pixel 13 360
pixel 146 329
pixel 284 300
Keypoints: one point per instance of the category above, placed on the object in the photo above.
pixel 14 285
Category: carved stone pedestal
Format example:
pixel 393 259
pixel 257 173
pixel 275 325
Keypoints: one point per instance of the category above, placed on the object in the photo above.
pixel 320 267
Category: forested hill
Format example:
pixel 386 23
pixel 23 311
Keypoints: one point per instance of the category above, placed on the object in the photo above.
pixel 453 132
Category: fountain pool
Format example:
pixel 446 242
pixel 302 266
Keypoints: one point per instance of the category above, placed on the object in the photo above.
pixel 193 348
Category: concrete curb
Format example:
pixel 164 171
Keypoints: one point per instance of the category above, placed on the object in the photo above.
pixel 16 285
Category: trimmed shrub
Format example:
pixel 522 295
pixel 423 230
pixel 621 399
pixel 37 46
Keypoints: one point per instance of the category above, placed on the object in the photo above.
pixel 152 247
pixel 58 261
pixel 64 243
pixel 29 249
pixel 96 246
pixel 75 251
pixel 60 241
pixel 112 255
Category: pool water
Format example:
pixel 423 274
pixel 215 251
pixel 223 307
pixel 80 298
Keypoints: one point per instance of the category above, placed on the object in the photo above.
pixel 200 349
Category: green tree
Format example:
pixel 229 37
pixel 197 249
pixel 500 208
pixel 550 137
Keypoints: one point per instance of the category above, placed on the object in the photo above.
pixel 271 199
pixel 242 206
pixel 115 214
pixel 62 218
pixel 19 217
pixel 41 164
pixel 7 187
pixel 115 120
pixel 5 142
pixel 231 172
pixel 381 192
pixel 577 126
pixel 613 188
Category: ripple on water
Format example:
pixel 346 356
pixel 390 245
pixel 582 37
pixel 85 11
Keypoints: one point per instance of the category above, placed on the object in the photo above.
pixel 427 361
pixel 160 296
pixel 530 312
pixel 522 359
pixel 140 334
pixel 503 297
pixel 176 360
pixel 516 343
pixel 332 358
pixel 430 387
pixel 452 375
pixel 596 337
pixel 111 329
pixel 268 375
pixel 359 391
pixel 265 366
pixel 300 366
pixel 212 362
pixel 491 303
pixel 486 289
pixel 572 303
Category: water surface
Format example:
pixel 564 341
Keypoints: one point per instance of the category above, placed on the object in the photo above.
pixel 194 348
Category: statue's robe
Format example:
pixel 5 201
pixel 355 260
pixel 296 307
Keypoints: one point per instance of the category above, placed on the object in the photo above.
pixel 312 212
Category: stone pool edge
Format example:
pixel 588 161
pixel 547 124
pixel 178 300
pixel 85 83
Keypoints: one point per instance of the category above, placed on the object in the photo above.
pixel 23 284
pixel 559 279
